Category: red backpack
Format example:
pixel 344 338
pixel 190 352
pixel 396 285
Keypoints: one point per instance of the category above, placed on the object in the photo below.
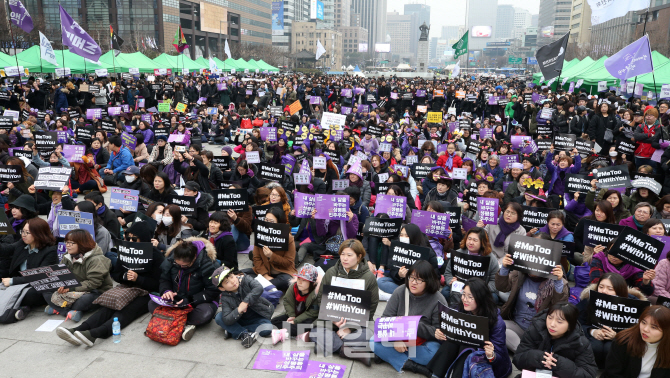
pixel 167 324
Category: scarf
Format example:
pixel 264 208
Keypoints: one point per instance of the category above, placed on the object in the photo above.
pixel 505 230
pixel 625 270
pixel 219 235
pixel 51 219
pixel 561 234
pixel 450 160
pixel 300 301
pixel 638 224
pixel 16 224
pixel 358 183
pixel 95 152
pixel 522 189
pixel 101 210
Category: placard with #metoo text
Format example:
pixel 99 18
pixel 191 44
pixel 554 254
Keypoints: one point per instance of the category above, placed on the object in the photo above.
pixel 272 235
pixel 260 211
pixel 578 183
pixel 464 265
pixel 403 254
pixel 393 206
pixel 126 199
pixel 185 203
pixel 615 312
pixel 231 199
pixel 382 228
pixel 463 328
pixel 637 249
pixel 331 206
pixel 137 257
pixel 565 142
pixel 341 302
pixel 51 277
pixel 535 256
pixel 599 233
pixel 534 217
pixel 271 172
pixel 421 171
pixel 613 177
pixel 11 173
pixel 432 223
pixel 69 220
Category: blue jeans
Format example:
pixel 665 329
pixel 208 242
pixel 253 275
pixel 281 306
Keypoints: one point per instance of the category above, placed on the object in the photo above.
pixel 248 322
pixel 422 354
pixel 387 285
pixel 241 239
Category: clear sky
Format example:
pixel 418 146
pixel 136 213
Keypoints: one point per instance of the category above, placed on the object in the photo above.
pixel 452 12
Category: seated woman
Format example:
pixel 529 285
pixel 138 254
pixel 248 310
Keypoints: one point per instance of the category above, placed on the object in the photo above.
pixel 642 350
pixel 218 233
pixel 603 213
pixel 300 307
pixel 89 265
pixel 278 196
pixel 423 285
pixel 528 295
pixel 162 188
pixel 476 300
pixel 601 336
pixel 278 267
pixel 641 213
pixel 22 209
pixel 554 342
pixel 102 237
pixel 350 265
pixel 508 224
pixel 135 284
pixel 186 279
pixel 603 262
pixel 36 248
pixel 171 229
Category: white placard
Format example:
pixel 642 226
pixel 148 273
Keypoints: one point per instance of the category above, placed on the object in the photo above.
pixel 134 71
pixel 602 86
pixel 665 91
pixel 100 72
pixel 253 157
pixel 184 71
pixel 13 70
pixel 63 71
pixel 319 162
pixel 459 173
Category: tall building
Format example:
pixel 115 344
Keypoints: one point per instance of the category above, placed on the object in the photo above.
pixel 373 18
pixel 343 13
pixel 290 11
pixel 451 32
pixel 556 14
pixel 522 18
pixel 481 13
pixel 505 20
pixel 580 23
pixel 304 36
pixel 400 29
pixel 352 38
pixel 328 21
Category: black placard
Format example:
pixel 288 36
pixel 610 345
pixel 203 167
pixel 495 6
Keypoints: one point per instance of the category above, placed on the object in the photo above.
pixel 382 228
pixel 543 144
pixel 223 162
pixel 288 126
pixel 151 222
pixel 626 147
pixel 613 177
pixel 464 265
pixel 568 249
pixel 637 249
pixel 615 312
pixel 73 114
pixel 341 302
pixel 577 183
pixel 5 227
pixel 84 134
pixel 454 215
pixel 50 278
pixel 584 147
pixel 534 217
pixel 534 256
pixel 648 183
pixel 463 328
pixel 273 235
pixel 135 256
pixel 6 122
pixel 544 130
pixel 403 254
pixel 421 171
pixel 663 301
pixel 260 211
pixel 52 178
pixel 186 204
pixel 25 114
pixel 11 173
pixel 46 140
pixel 565 142
pixel 231 199
pixel 473 148
pixel 599 233
pixel 384 187
pixel 107 126
pixel 334 155
pixel 94 89
pixel 375 131
pixel 271 172
pixel 5 95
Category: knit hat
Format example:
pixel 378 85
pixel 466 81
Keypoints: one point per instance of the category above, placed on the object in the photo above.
pixel 228 150
pixel 141 230
pixel 308 272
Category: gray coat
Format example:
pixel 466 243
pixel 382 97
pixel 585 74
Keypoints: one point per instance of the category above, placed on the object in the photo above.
pixel 425 305
pixel 490 277
pixel 250 292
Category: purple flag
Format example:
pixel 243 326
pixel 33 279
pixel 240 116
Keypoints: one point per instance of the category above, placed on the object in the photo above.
pixel 76 38
pixel 632 60
pixel 20 17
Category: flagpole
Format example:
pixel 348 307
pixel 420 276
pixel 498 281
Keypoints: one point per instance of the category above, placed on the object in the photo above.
pixel 11 32
pixel 644 30
pixel 62 51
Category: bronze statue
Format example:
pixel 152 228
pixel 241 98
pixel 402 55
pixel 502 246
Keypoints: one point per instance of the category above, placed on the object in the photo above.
pixel 424 32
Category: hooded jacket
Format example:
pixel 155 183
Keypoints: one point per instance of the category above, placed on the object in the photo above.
pixel 425 305
pixel 121 160
pixel 92 270
pixel 193 284
pixel 250 292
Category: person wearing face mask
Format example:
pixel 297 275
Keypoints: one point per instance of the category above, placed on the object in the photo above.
pixel 131 180
pixel 109 220
pixel 604 262
pixel 171 228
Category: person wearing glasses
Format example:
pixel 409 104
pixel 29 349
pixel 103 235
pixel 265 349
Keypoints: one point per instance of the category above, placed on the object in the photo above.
pixel 641 213
pixel 476 299
pixel 84 258
pixel 137 284
pixel 36 248
pixel 528 296
pixel 509 224
pixel 421 291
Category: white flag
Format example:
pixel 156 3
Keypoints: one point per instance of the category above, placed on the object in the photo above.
pixel 226 49
pixel 212 65
pixel 46 51
pixel 456 70
pixel 320 50
pixel 603 11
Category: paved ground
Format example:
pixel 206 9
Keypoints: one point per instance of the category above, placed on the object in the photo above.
pixel 27 353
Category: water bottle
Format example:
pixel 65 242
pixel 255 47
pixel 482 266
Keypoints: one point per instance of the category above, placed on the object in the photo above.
pixel 116 330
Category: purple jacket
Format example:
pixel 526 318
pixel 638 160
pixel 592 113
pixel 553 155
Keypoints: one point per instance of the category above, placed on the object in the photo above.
pixel 576 208
pixel 556 185
pixel 629 222
pixel 502 365
pixel 334 226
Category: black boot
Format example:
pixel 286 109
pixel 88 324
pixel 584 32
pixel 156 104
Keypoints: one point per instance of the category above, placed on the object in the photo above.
pixel 362 357
pixel 416 368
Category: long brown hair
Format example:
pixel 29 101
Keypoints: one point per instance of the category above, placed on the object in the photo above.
pixel 19 162
pixel 636 346
pixel 484 244
pixel 606 207
pixel 175 227
pixel 41 232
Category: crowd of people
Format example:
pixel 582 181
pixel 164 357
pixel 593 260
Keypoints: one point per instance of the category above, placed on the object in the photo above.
pixel 494 138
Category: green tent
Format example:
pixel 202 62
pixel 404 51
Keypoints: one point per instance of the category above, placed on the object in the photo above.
pixel 10 61
pixel 178 62
pixel 537 76
pixel 76 63
pixel 123 62
pixel 232 63
pixel 255 66
pixel 267 66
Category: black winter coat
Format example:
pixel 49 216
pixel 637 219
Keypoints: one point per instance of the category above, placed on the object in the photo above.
pixel 18 253
pixel 620 364
pixel 597 127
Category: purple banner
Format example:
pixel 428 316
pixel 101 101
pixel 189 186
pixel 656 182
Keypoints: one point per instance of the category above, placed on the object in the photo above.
pixel 535 97
pixel 467 223
pixel 331 206
pixel 114 111
pixel 493 100
pixel 77 39
pixel 432 223
pixel 315 100
pixel 363 108
pixel 140 103
pixel 303 204
pixel 269 134
pixel 146 117
pixel 518 139
pixel 358 91
pixel 397 328
pixel 289 163
pixel 487 208
pixel 93 113
pixel 393 206
pixel 128 140
pixel 317 369
pixel 507 160
pixel 73 153
pixel 420 93
pixel 346 92
pixel 62 136
pixel 20 17
pixel 126 199
pixel 282 361
pixel 485 133
pixel 346 110
pixel 631 61
pixel 177 138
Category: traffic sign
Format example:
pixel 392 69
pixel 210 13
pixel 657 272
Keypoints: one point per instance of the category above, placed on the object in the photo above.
pixel 514 60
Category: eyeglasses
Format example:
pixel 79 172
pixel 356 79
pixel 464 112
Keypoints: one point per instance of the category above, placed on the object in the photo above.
pixel 510 213
pixel 467 297
pixel 183 266
pixel 416 280
pixel 70 243
pixel 23 232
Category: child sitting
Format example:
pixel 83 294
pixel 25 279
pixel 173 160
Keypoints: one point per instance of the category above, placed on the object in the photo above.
pixel 300 305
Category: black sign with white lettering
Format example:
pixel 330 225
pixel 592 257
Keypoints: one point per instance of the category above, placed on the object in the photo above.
pixel 272 235
pixel 6 122
pixel 565 142
pixel 599 233
pixel 50 278
pixel 615 312
pixel 626 147
pixel 271 172
pixel 231 199
pixel 543 144
pixel 464 265
pixel 186 204
pixel 94 89
pixel 384 187
pixel 46 140
pixel 260 211
pixel 24 153
pixel 5 227
pixel 107 126
pixel 223 162
pixel 454 215
pixel 382 228
pixel 578 183
pixel 52 178
pixel 420 171
pixel 534 217
pixel 403 254
pixel 584 146
pixel 341 302
pixel 161 131
pixel 463 328
pixel 135 256
pixel 11 173
pixel 84 134
pixel 613 177
pixel 535 256
pixel 568 249
pixel 637 249
pixel 663 301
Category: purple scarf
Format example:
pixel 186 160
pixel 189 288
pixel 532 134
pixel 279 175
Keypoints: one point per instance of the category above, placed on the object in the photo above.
pixel 561 234
pixel 16 223
pixel 450 161
pixel 627 271
pixel 505 230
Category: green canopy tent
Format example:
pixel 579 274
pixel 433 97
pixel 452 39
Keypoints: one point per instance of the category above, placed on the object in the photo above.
pixel 76 63
pixel 123 62
pixel 253 66
pixel 232 63
pixel 267 67
pixel 566 66
pixel 10 61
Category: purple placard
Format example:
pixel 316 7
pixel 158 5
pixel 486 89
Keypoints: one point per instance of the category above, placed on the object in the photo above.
pixel 126 199
pixel 62 137
pixel 432 223
pixel 315 100
pixel 394 95
pixel 487 208
pixel 506 184
pixel 331 206
pixel 177 138
pixel 346 92
pixel 518 139
pixel 221 86
pixel 393 206
pixel 93 113
pixel 114 111
pixel 289 163
pixel 467 223
pixel 128 140
pixel 535 97
pixel 530 148
pixel 270 134
pixel 346 110
pixel 129 129
pixel 485 133
pixel 146 117
pixel 358 91
pixel 493 100
pixel 396 328
pixel 420 93
pixel 140 103
pixel 442 147
pixel 73 153
pixel 452 126
pixel 125 108
pixel 61 251
pixel 282 361
pixel 364 108
pixel 303 204
pixel 507 160
pixel 317 369
pixel 666 245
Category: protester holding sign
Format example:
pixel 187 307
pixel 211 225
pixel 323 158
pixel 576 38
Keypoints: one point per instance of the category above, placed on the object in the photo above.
pixel 476 300
pixel 557 185
pixel 604 262
pixel 475 242
pixel 555 227
pixel 299 306
pixel 86 261
pixel 603 213
pixel 509 224
pixel 134 284
pixel 102 235
pixel 15 189
pixel 642 350
pixel 22 209
pixel 420 293
pixel 554 342
pixel 219 233
pixel 171 228
pixel 37 248
pixel 620 204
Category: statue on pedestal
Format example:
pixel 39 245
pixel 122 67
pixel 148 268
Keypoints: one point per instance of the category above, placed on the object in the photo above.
pixel 424 32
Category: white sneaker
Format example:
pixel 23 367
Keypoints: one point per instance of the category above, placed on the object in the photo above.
pixel 189 330
pixel 384 296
